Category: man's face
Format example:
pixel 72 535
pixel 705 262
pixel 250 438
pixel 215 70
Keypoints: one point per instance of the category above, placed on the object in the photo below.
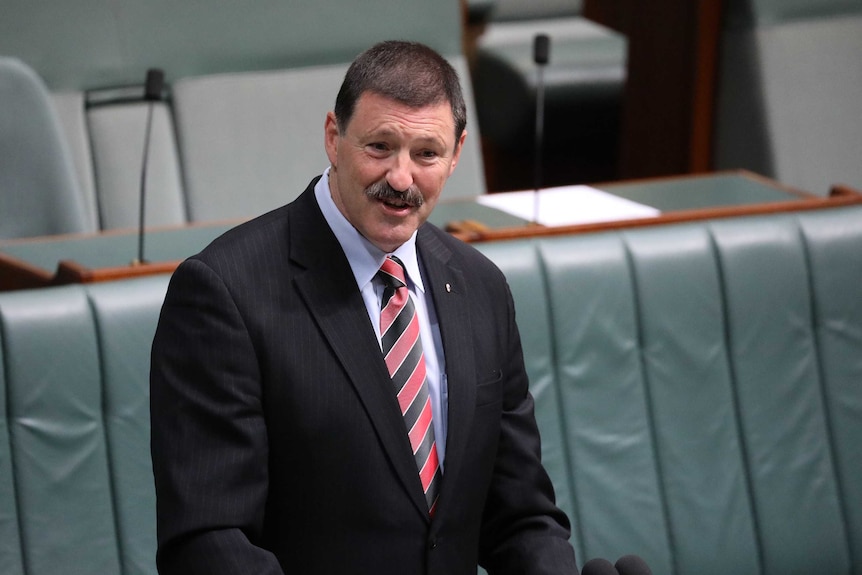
pixel 388 147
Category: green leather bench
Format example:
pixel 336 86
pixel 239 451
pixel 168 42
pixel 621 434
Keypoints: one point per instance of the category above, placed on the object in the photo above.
pixel 698 386
pixel 699 389
pixel 76 493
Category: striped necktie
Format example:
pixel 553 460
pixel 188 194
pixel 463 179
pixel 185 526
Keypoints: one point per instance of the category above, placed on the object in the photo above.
pixel 402 350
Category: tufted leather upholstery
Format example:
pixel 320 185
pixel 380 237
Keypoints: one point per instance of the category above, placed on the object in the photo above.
pixel 697 386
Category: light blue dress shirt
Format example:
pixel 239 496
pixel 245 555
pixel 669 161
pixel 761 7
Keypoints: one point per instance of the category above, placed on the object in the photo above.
pixel 365 260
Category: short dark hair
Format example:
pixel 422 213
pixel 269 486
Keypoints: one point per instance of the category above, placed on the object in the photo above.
pixel 407 72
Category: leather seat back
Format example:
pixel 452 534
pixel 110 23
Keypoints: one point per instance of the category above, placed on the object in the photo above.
pixel 700 384
pixel 75 474
pixel 788 91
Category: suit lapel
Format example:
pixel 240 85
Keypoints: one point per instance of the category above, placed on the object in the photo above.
pixel 329 290
pixel 448 290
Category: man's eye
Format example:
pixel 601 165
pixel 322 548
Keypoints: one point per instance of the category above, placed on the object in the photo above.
pixel 378 146
pixel 428 154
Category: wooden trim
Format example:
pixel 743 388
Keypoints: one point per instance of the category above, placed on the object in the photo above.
pixel 72 272
pixel 534 231
pixel 703 91
pixel 17 274
pixel 843 190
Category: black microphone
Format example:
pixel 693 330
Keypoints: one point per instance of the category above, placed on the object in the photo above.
pixel 541 49
pixel 154 84
pixel 632 565
pixel 541 55
pixel 152 93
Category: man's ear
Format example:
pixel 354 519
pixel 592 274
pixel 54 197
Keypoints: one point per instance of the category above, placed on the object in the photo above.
pixel 459 146
pixel 330 138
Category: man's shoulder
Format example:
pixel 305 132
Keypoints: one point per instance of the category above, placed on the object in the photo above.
pixel 463 255
pixel 262 233
pixel 256 231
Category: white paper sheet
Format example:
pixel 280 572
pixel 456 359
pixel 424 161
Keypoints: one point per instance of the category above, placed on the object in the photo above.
pixel 567 205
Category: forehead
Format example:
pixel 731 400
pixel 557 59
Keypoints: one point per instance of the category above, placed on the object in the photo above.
pixel 375 113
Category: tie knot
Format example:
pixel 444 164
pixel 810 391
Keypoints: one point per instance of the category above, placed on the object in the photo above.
pixel 392 273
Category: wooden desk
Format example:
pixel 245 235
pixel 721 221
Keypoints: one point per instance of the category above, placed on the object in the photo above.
pixel 87 258
pixel 680 199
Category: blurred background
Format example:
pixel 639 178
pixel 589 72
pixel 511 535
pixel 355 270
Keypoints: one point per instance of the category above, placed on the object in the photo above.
pixel 631 90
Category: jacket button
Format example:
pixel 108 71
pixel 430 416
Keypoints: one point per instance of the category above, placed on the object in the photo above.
pixel 432 544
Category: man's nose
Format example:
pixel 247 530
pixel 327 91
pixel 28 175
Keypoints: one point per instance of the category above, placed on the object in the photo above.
pixel 400 175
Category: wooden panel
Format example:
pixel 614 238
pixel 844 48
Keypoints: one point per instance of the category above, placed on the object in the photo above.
pixel 669 98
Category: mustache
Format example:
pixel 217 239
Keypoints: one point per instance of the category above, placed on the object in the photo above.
pixel 383 191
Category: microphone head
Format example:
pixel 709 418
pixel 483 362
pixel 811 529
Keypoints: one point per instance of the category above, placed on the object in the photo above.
pixel 598 566
pixel 541 49
pixel 632 565
pixel 154 84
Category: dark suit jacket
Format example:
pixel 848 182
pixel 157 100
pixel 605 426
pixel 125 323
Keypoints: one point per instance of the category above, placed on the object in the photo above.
pixel 278 445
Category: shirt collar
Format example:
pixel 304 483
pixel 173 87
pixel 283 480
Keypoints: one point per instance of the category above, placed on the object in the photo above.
pixel 364 257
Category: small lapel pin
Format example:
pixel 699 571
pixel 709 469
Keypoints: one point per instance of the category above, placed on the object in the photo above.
pixel 448 288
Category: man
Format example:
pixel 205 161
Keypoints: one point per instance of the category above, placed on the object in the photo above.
pixel 280 403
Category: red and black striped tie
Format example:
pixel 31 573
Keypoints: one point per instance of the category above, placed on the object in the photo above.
pixel 402 350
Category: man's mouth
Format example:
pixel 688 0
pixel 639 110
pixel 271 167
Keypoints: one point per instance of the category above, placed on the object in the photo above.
pixel 395 203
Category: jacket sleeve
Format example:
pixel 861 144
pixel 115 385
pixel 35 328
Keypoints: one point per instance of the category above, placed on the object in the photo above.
pixel 209 441
pixel 523 531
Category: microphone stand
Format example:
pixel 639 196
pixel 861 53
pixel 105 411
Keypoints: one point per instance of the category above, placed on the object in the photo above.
pixel 541 54
pixel 152 94
pixel 143 196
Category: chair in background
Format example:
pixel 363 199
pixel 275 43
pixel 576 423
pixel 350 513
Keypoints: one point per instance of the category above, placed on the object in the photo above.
pixel 39 192
pixel 248 90
pixel 790 87
pixel 251 141
pixel 584 88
